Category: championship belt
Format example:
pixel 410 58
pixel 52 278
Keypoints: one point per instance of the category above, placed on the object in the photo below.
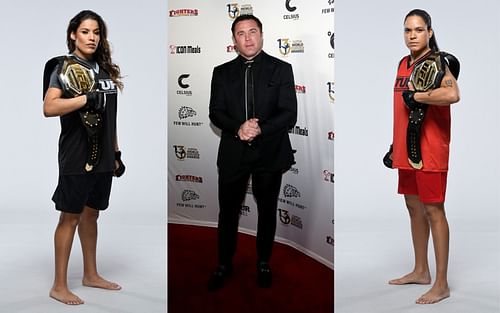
pixel 78 79
pixel 426 75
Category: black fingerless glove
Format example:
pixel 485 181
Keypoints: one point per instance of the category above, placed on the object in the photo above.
pixel 96 101
pixel 408 97
pixel 121 167
pixel 388 158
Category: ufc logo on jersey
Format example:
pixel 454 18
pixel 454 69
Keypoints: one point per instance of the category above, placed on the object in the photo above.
pixel 107 85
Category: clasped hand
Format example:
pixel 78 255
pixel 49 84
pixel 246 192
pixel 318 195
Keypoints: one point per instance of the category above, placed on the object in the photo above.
pixel 249 130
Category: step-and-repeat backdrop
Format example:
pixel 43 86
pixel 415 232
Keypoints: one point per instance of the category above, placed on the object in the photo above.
pixel 297 31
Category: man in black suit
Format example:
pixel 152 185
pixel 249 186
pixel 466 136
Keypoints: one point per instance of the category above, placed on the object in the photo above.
pixel 254 104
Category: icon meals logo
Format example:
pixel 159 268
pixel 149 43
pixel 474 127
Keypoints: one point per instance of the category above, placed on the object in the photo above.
pixel 188 195
pixel 184 49
pixel 290 191
pixel 331 135
pixel 329 240
pixel 328 176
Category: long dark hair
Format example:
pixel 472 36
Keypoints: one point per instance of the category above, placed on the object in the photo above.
pixel 427 19
pixel 102 55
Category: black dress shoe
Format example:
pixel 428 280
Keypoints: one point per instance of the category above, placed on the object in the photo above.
pixel 216 281
pixel 264 275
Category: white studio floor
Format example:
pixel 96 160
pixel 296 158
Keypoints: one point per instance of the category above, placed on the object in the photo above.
pixel 365 261
pixel 131 255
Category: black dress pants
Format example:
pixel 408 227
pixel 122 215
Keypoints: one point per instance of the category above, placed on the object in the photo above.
pixel 265 188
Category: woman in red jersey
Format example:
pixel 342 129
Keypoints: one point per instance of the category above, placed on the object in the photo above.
pixel 424 185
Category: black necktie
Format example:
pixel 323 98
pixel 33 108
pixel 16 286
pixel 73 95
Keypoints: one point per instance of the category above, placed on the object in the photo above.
pixel 249 93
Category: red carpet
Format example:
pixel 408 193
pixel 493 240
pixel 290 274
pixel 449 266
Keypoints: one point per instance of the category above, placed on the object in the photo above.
pixel 300 284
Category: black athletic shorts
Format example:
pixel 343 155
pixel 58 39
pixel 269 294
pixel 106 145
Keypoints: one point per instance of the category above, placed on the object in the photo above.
pixel 73 192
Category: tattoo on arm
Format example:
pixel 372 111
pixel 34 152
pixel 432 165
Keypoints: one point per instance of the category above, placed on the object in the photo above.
pixel 430 92
pixel 448 83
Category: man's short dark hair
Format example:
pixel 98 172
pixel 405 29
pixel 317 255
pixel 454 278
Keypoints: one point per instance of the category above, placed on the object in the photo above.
pixel 244 18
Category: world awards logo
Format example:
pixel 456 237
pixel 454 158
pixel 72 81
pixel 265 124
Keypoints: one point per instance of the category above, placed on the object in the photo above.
pixel 331 35
pixel 183 12
pixel 287 46
pixel 330 9
pixel 185 49
pixel 331 92
pixel 187 196
pixel 297 130
pixel 182 153
pixel 234 10
pixel 184 113
pixel 286 219
pixel 328 176
pixel 245 210
pixel 181 81
pixel 290 8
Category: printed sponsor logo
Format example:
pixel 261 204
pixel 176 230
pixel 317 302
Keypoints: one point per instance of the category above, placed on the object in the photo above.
pixel 188 195
pixel 182 153
pixel 183 12
pixel 297 130
pixel 182 82
pixel 286 219
pixel 330 9
pixel 329 240
pixel 231 48
pixel 185 49
pixel 331 35
pixel 300 89
pixel 189 178
pixel 291 191
pixel 245 210
pixel 294 170
pixel 234 10
pixel 290 8
pixel 331 92
pixel 331 135
pixel 328 176
pixel 287 46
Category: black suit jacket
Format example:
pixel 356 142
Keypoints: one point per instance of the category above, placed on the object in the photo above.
pixel 275 107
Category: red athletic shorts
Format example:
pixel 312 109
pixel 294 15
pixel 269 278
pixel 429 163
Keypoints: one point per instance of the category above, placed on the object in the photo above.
pixel 429 186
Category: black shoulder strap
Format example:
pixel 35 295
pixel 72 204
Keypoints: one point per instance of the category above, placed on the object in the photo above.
pixel 49 68
pixel 452 63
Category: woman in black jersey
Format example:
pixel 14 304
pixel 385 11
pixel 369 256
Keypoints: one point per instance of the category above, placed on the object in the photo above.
pixel 83 190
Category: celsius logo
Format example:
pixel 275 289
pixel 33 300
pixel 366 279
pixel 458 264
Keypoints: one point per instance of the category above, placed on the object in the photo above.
pixel 188 195
pixel 185 112
pixel 285 47
pixel 181 79
pixel 328 176
pixel 234 10
pixel 329 240
pixel 288 7
pixel 331 35
pixel 183 12
pixel 331 92
pixel 284 217
pixel 331 135
pixel 290 191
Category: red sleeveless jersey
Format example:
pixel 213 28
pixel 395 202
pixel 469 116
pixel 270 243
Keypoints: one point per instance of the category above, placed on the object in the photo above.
pixel 435 132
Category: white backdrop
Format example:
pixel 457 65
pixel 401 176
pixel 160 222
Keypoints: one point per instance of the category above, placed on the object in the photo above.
pixel 199 39
pixel 132 231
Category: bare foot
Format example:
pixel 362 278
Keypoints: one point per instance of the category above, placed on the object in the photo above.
pixel 434 295
pixel 99 282
pixel 65 296
pixel 412 278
